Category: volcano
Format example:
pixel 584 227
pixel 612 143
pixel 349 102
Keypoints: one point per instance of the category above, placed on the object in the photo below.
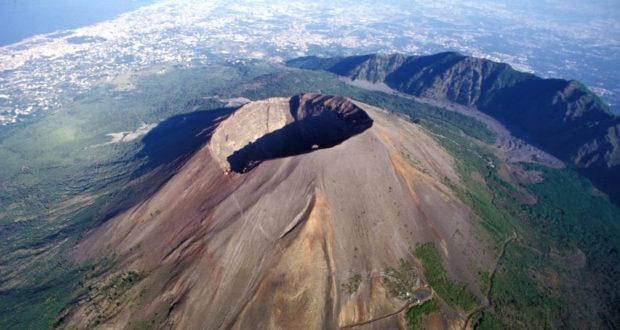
pixel 293 215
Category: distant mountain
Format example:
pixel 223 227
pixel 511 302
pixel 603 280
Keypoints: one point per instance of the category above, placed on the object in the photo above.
pixel 564 117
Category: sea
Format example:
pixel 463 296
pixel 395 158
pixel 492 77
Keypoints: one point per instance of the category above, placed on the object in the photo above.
pixel 21 19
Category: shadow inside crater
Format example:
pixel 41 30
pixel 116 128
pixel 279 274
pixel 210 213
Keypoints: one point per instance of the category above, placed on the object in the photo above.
pixel 323 130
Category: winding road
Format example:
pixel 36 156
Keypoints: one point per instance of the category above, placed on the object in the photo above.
pixel 489 291
pixel 428 294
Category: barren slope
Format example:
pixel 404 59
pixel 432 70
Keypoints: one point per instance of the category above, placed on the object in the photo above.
pixel 324 196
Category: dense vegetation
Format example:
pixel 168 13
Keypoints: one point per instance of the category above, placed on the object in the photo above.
pixel 414 315
pixel 454 293
pixel 541 277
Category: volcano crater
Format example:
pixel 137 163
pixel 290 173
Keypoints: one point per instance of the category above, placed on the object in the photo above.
pixel 281 127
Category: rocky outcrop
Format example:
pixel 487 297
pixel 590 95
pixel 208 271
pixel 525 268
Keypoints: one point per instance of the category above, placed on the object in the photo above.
pixel 373 68
pixel 246 125
pixel 564 117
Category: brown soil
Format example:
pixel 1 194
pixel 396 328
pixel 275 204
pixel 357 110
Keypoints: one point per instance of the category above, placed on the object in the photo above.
pixel 273 246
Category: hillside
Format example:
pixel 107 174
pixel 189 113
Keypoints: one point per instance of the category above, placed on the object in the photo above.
pixel 563 117
pixel 94 227
pixel 331 196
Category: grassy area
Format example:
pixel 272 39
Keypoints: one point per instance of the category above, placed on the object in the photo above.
pixel 36 307
pixel 414 315
pixel 488 321
pixel 517 299
pixel 577 219
pixel 454 293
pixel 530 289
pixel 576 213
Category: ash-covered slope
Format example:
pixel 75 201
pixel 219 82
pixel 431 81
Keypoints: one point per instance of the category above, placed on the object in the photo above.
pixel 330 195
pixel 564 117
